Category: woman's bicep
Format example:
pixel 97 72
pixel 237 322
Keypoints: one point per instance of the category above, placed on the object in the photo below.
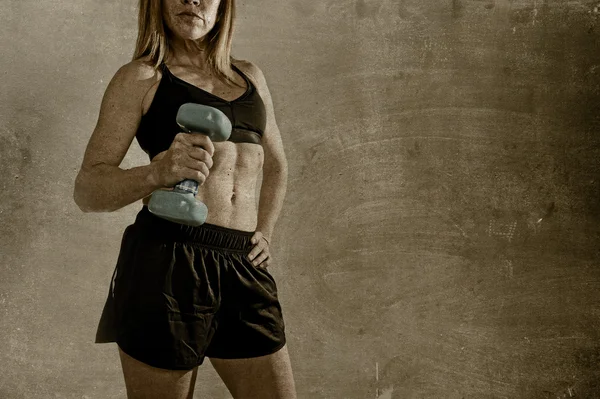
pixel 119 118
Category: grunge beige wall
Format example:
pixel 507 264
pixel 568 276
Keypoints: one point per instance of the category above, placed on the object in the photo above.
pixel 440 234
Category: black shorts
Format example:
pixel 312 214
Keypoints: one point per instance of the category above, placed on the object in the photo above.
pixel 181 293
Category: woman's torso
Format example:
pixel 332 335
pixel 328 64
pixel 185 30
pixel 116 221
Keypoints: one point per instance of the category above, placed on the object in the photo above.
pixel 230 191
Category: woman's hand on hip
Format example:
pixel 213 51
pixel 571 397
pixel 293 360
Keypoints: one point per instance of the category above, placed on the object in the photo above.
pixel 260 255
pixel 188 157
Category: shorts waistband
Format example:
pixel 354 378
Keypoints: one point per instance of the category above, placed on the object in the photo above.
pixel 207 234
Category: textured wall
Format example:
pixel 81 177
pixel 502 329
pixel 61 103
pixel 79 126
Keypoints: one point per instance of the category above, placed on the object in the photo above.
pixel 440 237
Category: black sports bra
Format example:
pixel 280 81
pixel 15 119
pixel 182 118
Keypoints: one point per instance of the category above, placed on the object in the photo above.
pixel 158 127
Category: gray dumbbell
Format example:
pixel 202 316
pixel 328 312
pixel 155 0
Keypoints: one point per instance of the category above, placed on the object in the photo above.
pixel 180 205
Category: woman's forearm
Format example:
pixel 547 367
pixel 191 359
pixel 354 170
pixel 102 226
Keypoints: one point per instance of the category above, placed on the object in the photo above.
pixel 272 194
pixel 106 188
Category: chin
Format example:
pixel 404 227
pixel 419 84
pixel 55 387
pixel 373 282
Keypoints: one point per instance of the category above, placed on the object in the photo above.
pixel 191 34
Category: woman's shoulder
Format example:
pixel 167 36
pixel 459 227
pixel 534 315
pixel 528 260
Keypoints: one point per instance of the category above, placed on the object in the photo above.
pixel 251 70
pixel 139 70
pixel 245 64
pixel 133 82
pixel 136 75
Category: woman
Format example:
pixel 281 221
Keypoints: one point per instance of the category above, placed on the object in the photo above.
pixel 182 293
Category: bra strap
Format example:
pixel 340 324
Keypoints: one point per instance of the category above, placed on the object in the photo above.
pixel 246 78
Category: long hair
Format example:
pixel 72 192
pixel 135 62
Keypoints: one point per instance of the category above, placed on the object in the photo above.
pixel 153 37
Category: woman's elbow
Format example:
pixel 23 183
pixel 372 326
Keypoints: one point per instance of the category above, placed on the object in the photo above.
pixel 82 197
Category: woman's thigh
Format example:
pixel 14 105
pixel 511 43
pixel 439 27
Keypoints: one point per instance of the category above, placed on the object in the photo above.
pixel 146 382
pixel 264 377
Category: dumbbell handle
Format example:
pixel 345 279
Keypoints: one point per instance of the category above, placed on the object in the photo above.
pixel 187 186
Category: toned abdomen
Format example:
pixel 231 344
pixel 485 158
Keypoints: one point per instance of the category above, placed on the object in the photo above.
pixel 229 192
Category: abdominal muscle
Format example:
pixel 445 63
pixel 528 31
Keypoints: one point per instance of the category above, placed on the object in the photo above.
pixel 229 191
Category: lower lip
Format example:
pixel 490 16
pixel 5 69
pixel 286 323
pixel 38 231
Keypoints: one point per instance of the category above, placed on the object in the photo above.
pixel 188 16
